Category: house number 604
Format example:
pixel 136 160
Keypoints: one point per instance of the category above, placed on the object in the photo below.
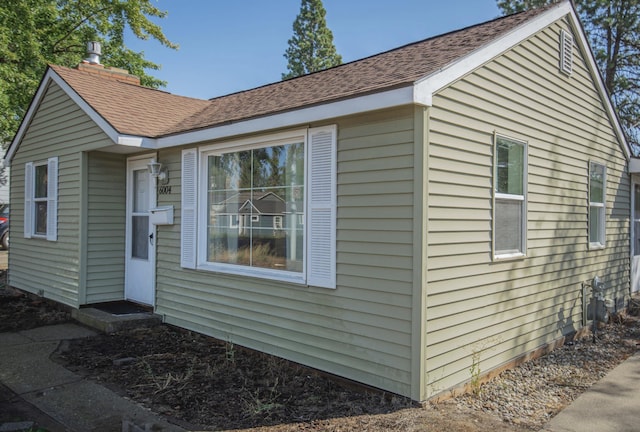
pixel 164 190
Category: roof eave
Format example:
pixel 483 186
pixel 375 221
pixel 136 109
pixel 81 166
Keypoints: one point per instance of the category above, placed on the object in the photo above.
pixel 444 77
pixel 419 93
pixel 405 95
pixel 51 76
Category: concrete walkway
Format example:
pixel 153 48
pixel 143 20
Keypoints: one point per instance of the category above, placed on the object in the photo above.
pixel 78 404
pixel 611 405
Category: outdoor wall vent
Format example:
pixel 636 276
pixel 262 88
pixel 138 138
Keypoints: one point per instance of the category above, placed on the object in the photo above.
pixel 94 51
pixel 566 52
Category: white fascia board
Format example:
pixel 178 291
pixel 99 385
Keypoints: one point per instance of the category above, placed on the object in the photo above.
pixel 136 141
pixel 431 84
pixel 634 166
pixel 51 76
pixel 387 99
pixel 449 74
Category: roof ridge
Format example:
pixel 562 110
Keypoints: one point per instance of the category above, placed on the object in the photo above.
pixel 534 11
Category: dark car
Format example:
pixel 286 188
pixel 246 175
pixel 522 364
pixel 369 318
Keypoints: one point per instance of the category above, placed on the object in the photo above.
pixel 4 227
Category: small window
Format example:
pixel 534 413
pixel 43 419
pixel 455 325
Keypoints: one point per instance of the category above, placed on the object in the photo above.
pixel 509 210
pixel 597 204
pixel 41 201
pixel 566 52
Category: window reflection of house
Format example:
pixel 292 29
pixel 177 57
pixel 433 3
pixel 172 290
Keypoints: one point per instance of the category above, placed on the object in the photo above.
pixel 262 211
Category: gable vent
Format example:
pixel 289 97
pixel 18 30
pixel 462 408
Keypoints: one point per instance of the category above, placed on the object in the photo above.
pixel 566 52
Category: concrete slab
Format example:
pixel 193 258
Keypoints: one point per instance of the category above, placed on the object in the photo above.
pixel 58 332
pixel 12 339
pixel 110 323
pixel 611 405
pixel 69 399
pixel 27 368
pixel 87 406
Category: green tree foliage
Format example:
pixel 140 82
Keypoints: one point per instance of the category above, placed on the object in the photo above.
pixel 34 33
pixel 613 29
pixel 311 47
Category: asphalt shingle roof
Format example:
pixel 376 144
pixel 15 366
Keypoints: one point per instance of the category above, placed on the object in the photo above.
pixel 141 111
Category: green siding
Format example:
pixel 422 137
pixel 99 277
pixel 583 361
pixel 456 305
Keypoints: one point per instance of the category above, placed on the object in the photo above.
pixel 362 329
pixel 58 128
pixel 504 309
pixel 106 227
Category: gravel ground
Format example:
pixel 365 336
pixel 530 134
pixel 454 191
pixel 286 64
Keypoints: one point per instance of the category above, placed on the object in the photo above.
pixel 532 393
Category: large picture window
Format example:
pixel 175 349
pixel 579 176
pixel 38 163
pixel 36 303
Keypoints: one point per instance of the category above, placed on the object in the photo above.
pixel 255 201
pixel 510 215
pixel 263 207
pixel 597 204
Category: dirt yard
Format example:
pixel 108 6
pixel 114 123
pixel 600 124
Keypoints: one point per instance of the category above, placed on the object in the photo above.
pixel 205 384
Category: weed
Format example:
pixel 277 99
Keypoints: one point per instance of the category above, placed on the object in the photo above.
pixel 229 352
pixel 474 370
pixel 261 402
pixel 166 381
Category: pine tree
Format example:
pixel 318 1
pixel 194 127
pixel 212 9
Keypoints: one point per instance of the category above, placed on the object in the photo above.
pixel 311 47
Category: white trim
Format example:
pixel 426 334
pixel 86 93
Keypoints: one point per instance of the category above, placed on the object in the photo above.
pixel 502 255
pixel 444 77
pixel 266 140
pixel 52 199
pixel 262 141
pixel 602 206
pixel 376 101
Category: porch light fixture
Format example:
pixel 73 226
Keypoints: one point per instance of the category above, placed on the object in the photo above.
pixel 158 171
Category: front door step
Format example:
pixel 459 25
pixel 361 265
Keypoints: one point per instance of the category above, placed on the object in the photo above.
pixel 110 322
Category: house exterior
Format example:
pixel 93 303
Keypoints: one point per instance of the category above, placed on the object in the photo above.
pixel 441 204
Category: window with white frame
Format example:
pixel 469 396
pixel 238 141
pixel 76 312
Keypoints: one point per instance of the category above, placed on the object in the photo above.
pixel 263 207
pixel 510 207
pixel 41 199
pixel 597 204
pixel 262 181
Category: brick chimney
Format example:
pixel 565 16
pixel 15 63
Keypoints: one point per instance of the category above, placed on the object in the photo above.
pixel 92 65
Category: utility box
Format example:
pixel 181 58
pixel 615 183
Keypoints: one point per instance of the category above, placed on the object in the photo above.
pixel 161 215
pixel 601 308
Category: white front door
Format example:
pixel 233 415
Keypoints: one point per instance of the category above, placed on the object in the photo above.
pixel 141 242
pixel 635 236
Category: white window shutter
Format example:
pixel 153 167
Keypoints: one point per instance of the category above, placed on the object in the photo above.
pixel 52 199
pixel 188 235
pixel 321 218
pixel 28 200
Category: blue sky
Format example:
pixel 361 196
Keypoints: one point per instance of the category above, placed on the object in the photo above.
pixel 228 46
